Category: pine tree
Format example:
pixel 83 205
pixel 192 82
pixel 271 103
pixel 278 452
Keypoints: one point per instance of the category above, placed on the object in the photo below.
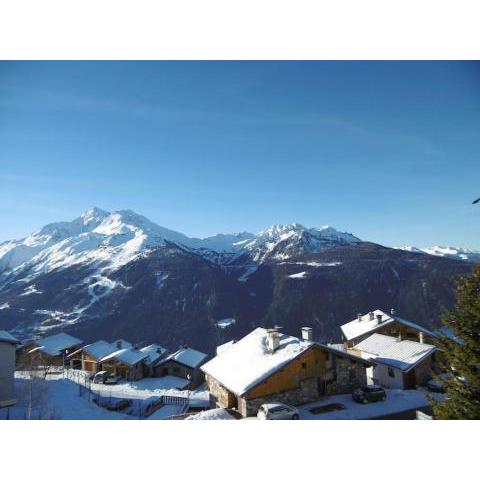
pixel 462 354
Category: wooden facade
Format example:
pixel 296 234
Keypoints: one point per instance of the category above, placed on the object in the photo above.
pixel 177 369
pixel 306 378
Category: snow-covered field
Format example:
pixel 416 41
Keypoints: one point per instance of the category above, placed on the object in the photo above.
pixel 57 397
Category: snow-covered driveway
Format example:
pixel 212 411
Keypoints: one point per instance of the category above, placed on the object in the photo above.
pixel 397 401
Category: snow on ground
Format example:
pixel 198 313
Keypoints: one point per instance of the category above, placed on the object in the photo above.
pixel 214 414
pixel 314 264
pixel 298 275
pixel 250 270
pixel 146 388
pixel 30 290
pixel 225 322
pixel 59 398
pixel 397 401
pixel 55 398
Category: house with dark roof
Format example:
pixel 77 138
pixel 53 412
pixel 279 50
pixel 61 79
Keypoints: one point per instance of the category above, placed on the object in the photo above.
pixel 391 324
pixel 8 345
pixel 267 366
pixel 184 363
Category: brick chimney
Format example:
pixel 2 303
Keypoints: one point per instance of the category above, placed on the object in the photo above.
pixel 379 318
pixel 273 340
pixel 307 334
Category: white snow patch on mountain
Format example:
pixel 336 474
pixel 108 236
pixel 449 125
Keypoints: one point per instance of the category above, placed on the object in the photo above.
pixel 4 306
pixel 458 253
pixel 250 270
pixel 225 322
pixel 298 275
pixel 30 290
pixel 160 278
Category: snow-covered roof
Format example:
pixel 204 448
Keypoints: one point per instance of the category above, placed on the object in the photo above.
pixel 55 344
pixel 122 343
pixel 224 347
pixel 7 337
pixel 126 355
pixel 154 352
pixel 100 349
pixel 357 328
pixel 402 354
pixel 186 356
pixel 247 362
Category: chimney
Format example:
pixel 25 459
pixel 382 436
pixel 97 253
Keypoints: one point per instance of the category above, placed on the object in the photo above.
pixel 392 312
pixel 371 315
pixel 379 318
pixel 273 340
pixel 359 316
pixel 307 334
pixel 119 344
pixel 400 336
pixel 420 337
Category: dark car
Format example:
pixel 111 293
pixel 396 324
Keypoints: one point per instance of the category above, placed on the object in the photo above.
pixel 369 393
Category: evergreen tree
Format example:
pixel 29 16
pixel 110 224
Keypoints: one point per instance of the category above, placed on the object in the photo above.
pixel 462 354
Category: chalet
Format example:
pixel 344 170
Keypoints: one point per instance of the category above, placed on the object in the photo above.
pixel 52 350
pixel 126 363
pixel 266 366
pixel 8 344
pixel 155 353
pixel 379 322
pixel 184 363
pixel 397 363
pixel 88 357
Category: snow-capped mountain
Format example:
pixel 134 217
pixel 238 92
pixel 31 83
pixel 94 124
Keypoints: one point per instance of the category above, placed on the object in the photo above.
pixel 457 253
pixel 117 274
pixel 111 240
pixel 280 242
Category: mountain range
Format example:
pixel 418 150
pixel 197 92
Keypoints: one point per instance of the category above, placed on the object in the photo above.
pixel 117 274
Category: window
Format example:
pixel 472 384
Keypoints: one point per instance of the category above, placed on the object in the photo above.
pixel 391 373
pixel 304 365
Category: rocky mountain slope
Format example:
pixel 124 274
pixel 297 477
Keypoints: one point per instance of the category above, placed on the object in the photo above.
pixel 109 275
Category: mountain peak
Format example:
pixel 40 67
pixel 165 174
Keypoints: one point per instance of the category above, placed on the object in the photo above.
pixel 93 214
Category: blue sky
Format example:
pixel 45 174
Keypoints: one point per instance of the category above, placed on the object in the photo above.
pixel 389 151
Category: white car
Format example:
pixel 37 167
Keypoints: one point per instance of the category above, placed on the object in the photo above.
pixel 277 411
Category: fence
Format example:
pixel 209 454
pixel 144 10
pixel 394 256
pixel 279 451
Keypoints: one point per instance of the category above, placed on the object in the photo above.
pixel 136 407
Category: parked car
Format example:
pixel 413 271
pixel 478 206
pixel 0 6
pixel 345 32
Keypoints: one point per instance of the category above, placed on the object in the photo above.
pixel 369 393
pixel 277 411
pixel 112 379
pixel 100 377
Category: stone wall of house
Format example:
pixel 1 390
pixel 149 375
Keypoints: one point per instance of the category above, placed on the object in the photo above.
pixel 349 375
pixel 219 395
pixel 308 392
